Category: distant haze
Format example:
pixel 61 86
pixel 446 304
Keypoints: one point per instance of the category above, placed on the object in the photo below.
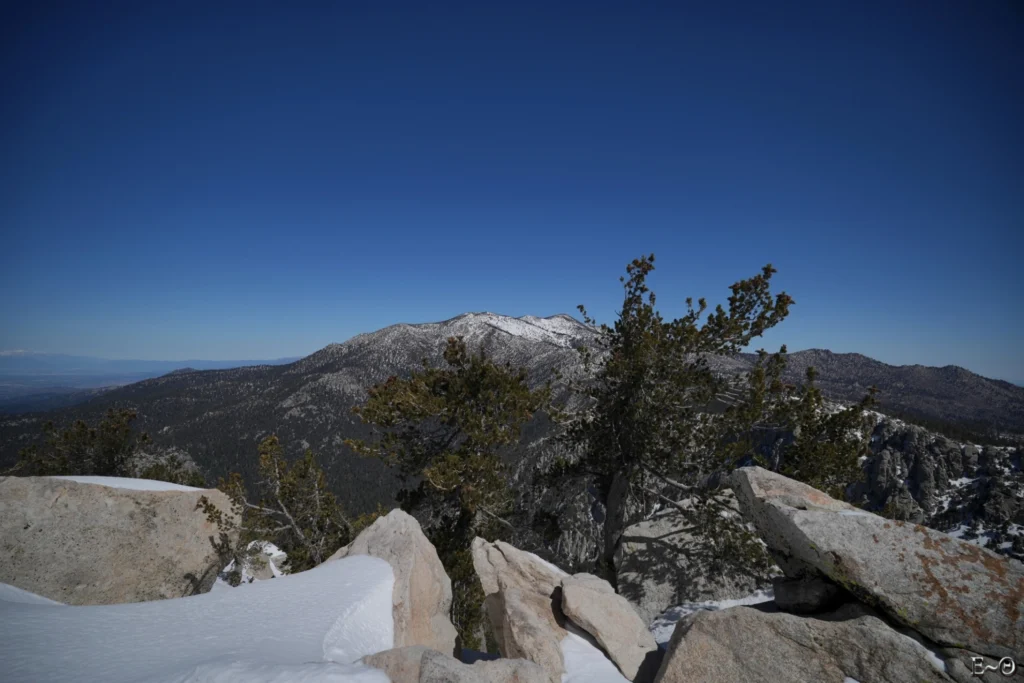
pixel 27 363
pixel 38 381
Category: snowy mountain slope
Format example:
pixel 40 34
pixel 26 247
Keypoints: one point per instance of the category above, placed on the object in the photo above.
pixel 309 626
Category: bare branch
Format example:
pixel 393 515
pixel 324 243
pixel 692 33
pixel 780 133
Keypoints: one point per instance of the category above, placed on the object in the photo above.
pixel 496 517
pixel 677 505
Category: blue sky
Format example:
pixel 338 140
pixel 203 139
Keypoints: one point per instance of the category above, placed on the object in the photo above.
pixel 262 179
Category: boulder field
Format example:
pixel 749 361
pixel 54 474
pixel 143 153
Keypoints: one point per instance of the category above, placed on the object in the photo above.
pixel 861 597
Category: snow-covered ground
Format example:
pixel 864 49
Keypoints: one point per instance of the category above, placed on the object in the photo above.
pixel 664 625
pixel 128 483
pixel 311 626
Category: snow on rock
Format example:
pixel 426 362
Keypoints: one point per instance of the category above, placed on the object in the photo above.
pixel 300 627
pixel 129 483
pixel 664 625
pixel 275 562
pixel 584 661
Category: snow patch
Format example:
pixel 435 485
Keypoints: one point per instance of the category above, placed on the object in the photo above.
pixel 129 483
pixel 293 628
pixel 585 662
pixel 556 330
pixel 663 626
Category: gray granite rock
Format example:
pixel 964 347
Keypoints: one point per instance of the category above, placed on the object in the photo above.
pixel 422 595
pixel 743 644
pixel 955 593
pixel 592 604
pixel 89 544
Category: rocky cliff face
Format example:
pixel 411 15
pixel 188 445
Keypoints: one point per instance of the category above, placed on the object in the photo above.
pixel 971 491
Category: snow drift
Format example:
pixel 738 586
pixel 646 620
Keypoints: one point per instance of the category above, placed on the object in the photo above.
pixel 314 625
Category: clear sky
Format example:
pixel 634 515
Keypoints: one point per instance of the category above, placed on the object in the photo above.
pixel 262 179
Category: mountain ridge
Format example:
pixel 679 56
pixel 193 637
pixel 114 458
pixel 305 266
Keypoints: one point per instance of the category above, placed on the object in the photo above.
pixel 219 415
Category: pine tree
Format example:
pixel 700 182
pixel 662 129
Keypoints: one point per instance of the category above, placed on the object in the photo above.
pixel 445 430
pixel 651 431
pixel 295 509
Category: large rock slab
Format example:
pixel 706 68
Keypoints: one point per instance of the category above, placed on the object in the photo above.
pixel 91 544
pixel 745 644
pixel 523 603
pixel 592 604
pixel 661 563
pixel 418 664
pixel 955 593
pixel 423 592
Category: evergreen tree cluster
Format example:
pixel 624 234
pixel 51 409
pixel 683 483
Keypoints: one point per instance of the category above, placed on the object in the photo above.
pixel 112 448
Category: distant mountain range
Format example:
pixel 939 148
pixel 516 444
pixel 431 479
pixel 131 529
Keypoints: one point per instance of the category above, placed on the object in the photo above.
pixel 21 363
pixel 47 381
pixel 218 415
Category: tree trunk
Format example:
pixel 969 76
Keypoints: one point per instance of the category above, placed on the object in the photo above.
pixel 614 524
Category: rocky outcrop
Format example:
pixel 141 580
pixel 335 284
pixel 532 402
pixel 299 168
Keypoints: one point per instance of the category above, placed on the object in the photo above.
pixel 660 562
pixel 418 664
pixel 532 606
pixel 91 544
pixel 745 644
pixel 592 604
pixel 918 476
pixel 955 593
pixel 422 595
pixel 522 599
